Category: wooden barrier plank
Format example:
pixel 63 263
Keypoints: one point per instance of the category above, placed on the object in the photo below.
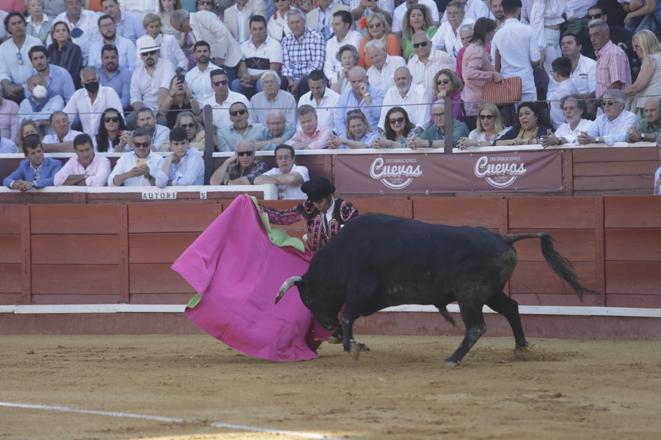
pixel 10 219
pixel 171 217
pixel 10 248
pixel 397 206
pixel 573 244
pixel 160 298
pixel 636 277
pixel 645 168
pixel 614 184
pixel 537 277
pixel 76 279
pixel 74 219
pixel 633 300
pixel 549 299
pixel 42 299
pixel 12 278
pixel 472 211
pixel 610 154
pixel 123 241
pixel 11 298
pixel 159 247
pixel 42 198
pixel 156 278
pixel 76 249
pixel 633 245
pixel 618 211
pixel 542 213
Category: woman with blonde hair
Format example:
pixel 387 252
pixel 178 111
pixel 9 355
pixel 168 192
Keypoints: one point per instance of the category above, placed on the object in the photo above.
pixel 37 23
pixel 489 128
pixel 418 18
pixel 648 81
pixel 378 29
pixel 447 83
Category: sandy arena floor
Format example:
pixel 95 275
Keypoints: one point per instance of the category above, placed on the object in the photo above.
pixel 399 390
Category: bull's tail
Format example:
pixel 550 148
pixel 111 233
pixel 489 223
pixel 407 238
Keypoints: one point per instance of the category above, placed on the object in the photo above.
pixel 560 265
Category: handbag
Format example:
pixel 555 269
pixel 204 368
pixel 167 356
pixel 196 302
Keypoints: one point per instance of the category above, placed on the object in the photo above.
pixel 505 92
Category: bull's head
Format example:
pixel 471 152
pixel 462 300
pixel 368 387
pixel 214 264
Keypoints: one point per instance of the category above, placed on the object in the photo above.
pixel 322 311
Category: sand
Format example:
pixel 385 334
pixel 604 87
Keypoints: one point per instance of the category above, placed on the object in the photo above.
pixel 399 390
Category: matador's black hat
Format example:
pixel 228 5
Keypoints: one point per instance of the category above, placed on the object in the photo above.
pixel 318 188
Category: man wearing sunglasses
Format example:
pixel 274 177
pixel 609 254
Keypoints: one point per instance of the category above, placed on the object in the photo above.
pixel 614 124
pixel 426 61
pixel 241 128
pixel 433 135
pixel 150 82
pixel 221 100
pixel 15 67
pixel 137 167
pixel 241 168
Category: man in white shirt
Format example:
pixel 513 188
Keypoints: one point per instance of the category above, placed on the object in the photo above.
pixel 400 13
pixel 413 98
pixel 545 20
pixel 496 8
pixel 260 53
pixel 198 79
pixel 61 139
pixel 565 87
pixel 221 100
pixel 427 61
pixel 614 124
pixel 237 17
pixel 341 23
pixel 286 175
pixel 381 73
pixel 125 47
pixel 447 37
pixel 150 82
pixel 572 109
pixel 158 134
pixel 128 24
pixel 137 167
pixel 584 69
pixel 15 67
pixel 82 25
pixel 321 97
pixel 89 102
pixel 515 56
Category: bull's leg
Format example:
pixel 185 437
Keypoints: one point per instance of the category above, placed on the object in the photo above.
pixel 509 308
pixel 347 332
pixel 475 327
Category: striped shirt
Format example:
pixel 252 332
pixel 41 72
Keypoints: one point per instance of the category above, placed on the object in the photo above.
pixel 612 66
pixel 303 55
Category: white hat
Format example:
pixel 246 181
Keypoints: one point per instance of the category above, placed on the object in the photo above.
pixel 147 44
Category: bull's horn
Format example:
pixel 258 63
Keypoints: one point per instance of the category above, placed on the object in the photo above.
pixel 289 282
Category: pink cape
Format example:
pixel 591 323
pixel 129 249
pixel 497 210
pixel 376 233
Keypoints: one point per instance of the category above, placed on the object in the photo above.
pixel 237 269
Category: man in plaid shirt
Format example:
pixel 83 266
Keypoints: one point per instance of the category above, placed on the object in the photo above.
pixel 303 51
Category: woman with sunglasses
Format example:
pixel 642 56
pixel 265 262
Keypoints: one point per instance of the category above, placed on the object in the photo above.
pixel 398 130
pixel 477 69
pixel 418 18
pixel 489 128
pixel 532 125
pixel 359 134
pixel 64 52
pixel 378 29
pixel 447 83
pixel 112 135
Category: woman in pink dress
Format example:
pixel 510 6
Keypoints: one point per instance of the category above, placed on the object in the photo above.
pixel 477 68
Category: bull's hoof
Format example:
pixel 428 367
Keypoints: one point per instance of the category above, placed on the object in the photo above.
pixel 355 351
pixel 451 364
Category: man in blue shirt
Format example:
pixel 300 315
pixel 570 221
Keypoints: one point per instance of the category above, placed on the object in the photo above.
pixel 58 80
pixel 36 171
pixel 111 75
pixel 184 166
pixel 361 96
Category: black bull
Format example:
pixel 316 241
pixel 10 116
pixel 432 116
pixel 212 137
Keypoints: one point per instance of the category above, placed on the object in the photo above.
pixel 379 261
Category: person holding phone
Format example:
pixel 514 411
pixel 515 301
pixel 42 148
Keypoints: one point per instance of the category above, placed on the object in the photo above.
pixel 136 168
pixel 361 95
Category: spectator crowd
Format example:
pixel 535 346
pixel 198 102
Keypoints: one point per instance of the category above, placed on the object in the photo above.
pixel 132 77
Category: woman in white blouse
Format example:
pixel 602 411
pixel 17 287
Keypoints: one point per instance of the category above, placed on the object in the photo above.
pixel 277 25
pixel 489 128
